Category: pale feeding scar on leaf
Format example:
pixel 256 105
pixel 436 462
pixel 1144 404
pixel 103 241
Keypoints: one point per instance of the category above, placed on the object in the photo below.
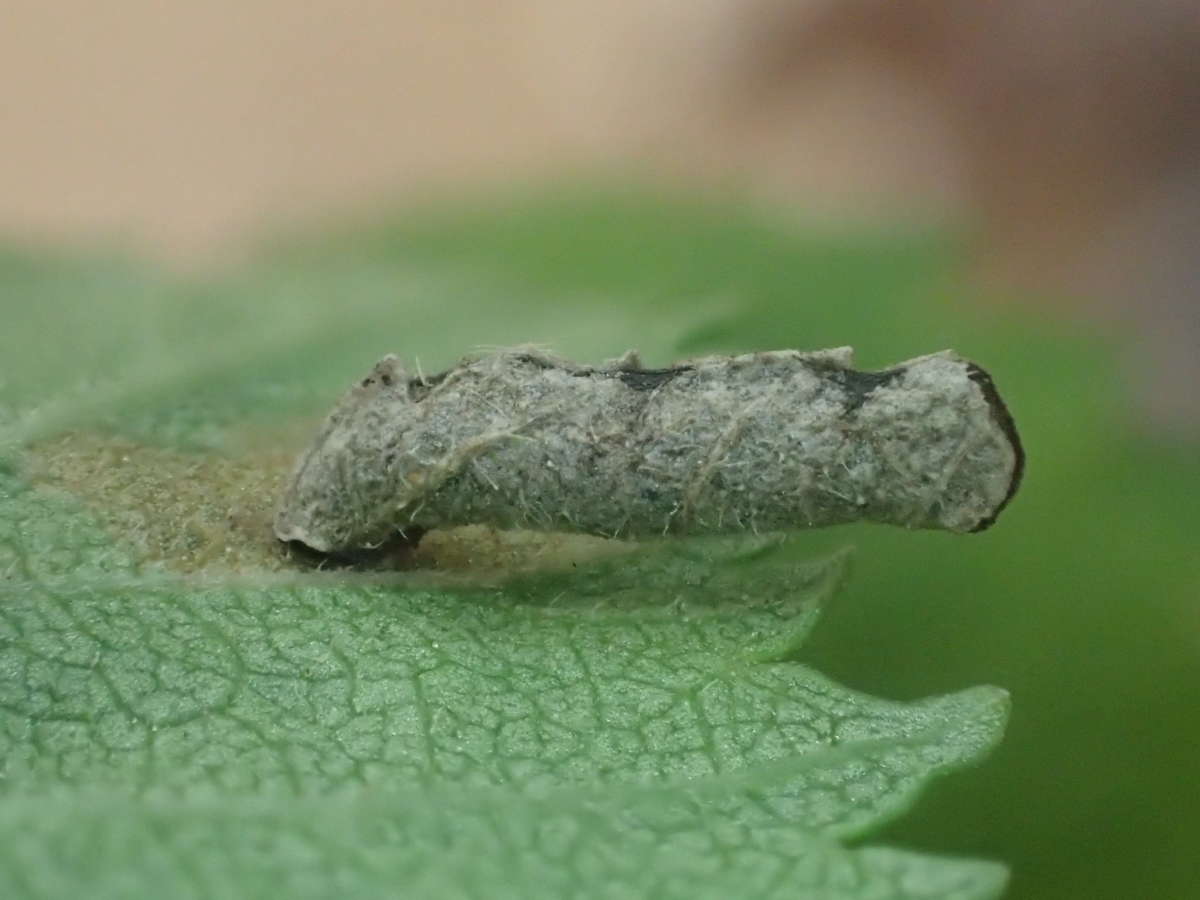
pixel 769 441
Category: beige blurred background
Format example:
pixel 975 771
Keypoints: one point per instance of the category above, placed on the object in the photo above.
pixel 1065 136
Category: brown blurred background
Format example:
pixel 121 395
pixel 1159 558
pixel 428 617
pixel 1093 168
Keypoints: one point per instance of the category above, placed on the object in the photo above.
pixel 1064 136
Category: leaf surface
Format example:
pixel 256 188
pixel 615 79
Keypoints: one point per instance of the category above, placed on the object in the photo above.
pixel 633 723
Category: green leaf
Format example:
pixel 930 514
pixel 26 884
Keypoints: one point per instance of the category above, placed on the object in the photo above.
pixel 613 721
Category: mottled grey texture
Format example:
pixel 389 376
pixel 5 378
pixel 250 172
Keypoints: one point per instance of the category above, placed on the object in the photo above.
pixel 765 441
